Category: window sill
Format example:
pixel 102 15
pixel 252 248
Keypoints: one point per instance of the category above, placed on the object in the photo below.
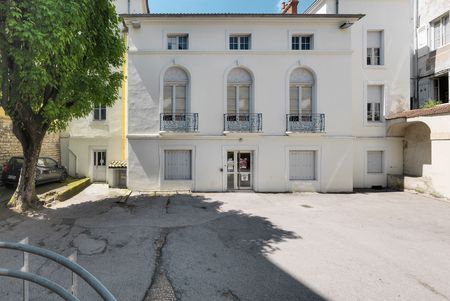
pixel 375 67
pixel 306 133
pixel 375 124
pixel 99 122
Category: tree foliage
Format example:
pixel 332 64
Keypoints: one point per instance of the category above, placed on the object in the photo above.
pixel 59 59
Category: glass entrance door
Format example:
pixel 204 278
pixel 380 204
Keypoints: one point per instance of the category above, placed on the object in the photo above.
pixel 239 170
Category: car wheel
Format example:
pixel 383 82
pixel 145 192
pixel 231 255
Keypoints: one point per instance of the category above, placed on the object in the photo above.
pixel 63 177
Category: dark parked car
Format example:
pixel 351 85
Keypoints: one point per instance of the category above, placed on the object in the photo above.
pixel 47 170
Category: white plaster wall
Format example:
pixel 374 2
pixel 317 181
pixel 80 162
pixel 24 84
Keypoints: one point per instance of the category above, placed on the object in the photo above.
pixel 440 171
pixel 394 18
pixel 339 94
pixel 270 61
pixel 417 149
pixel 393 160
pixel 271 163
pixel 83 149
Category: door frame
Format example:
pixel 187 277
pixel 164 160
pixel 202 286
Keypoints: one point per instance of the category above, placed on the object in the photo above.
pixel 254 165
pixel 99 149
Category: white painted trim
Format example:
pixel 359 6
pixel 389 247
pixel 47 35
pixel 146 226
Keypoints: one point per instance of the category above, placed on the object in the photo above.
pixel 317 183
pixel 383 56
pixel 165 33
pixel 234 52
pixel 366 173
pixel 161 86
pixel 252 148
pixel 286 96
pixel 385 86
pixel 309 32
pixel 252 104
pixel 190 147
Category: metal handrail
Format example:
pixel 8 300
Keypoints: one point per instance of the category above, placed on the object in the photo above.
pixel 179 122
pixel 243 122
pixel 305 123
pixel 75 268
pixel 39 280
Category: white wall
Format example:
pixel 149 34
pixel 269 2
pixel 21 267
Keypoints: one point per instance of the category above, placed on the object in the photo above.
pixel 339 95
pixel 271 163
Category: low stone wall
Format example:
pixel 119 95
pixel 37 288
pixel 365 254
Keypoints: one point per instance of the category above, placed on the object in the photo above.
pixel 10 146
pixel 417 184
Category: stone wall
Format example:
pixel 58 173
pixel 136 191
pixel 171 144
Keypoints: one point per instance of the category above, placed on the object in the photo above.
pixel 10 146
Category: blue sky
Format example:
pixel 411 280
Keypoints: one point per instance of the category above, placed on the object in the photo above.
pixel 220 6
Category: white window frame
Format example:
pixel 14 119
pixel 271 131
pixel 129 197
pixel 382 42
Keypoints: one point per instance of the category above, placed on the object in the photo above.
pixel 300 43
pixel 383 160
pixel 300 87
pixel 238 99
pixel 101 118
pixel 317 150
pixel 190 148
pixel 443 31
pixel 174 86
pixel 177 36
pixel 383 58
pixel 384 94
pixel 239 36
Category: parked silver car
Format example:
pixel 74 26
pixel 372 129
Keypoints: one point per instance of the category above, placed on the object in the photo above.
pixel 47 170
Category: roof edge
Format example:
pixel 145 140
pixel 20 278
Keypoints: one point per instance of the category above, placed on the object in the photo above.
pixel 245 15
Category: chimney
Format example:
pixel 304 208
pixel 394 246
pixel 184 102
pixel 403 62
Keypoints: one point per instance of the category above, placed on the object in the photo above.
pixel 289 9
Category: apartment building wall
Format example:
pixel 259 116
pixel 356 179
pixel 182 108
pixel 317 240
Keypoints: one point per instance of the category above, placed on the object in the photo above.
pixel 432 64
pixel 270 61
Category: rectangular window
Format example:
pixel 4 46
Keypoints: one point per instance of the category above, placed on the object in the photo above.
pixel 100 113
pixel 174 99
pixel 302 165
pixel 374 48
pixel 178 165
pixel 178 42
pixel 441 32
pixel 375 162
pixel 240 42
pixel 302 42
pixel 374 102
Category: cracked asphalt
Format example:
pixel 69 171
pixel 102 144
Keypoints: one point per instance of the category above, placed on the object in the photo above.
pixel 240 246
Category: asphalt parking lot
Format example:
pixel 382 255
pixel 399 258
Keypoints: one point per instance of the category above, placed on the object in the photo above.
pixel 242 246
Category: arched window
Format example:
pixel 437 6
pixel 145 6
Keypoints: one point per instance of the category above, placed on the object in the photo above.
pixel 239 91
pixel 176 83
pixel 301 84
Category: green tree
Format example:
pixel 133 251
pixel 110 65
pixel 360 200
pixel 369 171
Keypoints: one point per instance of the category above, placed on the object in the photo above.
pixel 59 59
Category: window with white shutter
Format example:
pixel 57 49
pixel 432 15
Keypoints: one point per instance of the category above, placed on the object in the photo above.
pixel 375 47
pixel 375 162
pixel 178 165
pixel 302 165
pixel 374 103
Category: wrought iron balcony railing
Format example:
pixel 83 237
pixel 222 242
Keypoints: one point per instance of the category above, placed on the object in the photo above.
pixel 305 123
pixel 246 123
pixel 183 123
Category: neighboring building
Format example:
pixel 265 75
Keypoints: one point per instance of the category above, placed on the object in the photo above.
pixel 95 146
pixel 10 146
pixel 431 56
pixel 268 102
pixel 426 134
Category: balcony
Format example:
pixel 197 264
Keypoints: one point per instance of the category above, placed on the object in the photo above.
pixel 305 123
pixel 243 123
pixel 179 123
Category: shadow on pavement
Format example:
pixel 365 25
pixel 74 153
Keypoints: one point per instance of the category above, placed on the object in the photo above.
pixel 203 251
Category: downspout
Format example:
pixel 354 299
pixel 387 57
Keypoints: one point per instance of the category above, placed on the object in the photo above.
pixel 124 100
pixel 337 7
pixel 416 52
pixel 129 6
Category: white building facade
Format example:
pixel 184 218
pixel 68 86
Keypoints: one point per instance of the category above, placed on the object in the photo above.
pixel 269 103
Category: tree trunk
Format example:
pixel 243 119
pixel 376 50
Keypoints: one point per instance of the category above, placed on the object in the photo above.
pixel 25 195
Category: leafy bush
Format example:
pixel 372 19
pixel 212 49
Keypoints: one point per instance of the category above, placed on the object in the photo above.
pixel 431 103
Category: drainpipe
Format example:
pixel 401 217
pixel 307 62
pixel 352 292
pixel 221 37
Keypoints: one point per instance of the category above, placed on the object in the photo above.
pixel 337 6
pixel 416 54
pixel 129 6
